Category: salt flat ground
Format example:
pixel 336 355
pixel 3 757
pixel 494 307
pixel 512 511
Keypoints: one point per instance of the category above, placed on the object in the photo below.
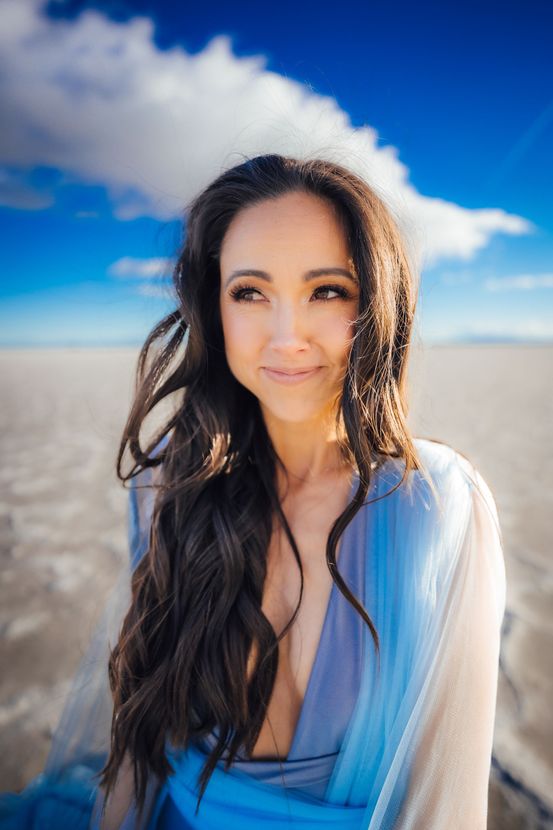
pixel 63 536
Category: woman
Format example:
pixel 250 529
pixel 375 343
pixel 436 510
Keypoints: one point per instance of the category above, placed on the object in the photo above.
pixel 313 630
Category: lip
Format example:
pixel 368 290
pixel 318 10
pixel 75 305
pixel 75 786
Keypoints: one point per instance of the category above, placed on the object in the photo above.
pixel 291 376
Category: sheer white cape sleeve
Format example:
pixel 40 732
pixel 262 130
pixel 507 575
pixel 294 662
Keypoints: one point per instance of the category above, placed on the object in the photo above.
pixel 450 770
pixel 417 751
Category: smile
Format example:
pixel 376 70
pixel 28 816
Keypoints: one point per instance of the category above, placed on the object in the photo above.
pixel 290 377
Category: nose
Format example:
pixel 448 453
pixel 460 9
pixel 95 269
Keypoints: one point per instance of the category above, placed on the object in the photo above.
pixel 289 332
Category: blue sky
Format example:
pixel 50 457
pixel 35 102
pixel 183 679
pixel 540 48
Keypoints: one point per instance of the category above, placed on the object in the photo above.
pixel 116 114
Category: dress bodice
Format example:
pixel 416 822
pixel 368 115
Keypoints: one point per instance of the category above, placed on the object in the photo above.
pixel 333 684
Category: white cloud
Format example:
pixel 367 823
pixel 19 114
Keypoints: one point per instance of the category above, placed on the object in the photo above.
pixel 140 268
pixel 521 282
pixel 98 100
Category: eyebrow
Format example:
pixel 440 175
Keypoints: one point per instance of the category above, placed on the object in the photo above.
pixel 309 275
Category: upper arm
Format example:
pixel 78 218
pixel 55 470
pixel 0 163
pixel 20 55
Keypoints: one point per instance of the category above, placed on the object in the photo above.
pixel 110 814
pixel 120 808
pixel 121 812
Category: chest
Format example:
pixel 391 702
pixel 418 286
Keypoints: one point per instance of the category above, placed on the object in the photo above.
pixel 298 649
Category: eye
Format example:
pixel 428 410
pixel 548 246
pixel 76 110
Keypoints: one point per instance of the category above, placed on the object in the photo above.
pixel 338 289
pixel 239 293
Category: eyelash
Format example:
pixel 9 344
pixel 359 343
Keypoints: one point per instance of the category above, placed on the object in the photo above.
pixel 238 292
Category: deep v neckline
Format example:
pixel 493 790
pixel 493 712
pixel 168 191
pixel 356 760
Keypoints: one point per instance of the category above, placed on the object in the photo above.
pixel 308 689
pixel 325 625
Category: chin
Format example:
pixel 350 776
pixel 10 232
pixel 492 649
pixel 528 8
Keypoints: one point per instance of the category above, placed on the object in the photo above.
pixel 292 414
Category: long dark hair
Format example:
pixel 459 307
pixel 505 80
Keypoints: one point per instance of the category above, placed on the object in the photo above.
pixel 179 668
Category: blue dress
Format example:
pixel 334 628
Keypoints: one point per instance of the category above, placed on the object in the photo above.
pixel 401 744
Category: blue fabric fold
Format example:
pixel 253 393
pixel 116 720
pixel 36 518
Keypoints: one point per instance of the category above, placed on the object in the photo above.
pixel 239 797
pixel 47 804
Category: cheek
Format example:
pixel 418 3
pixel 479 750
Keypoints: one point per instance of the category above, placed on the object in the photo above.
pixel 240 333
pixel 338 336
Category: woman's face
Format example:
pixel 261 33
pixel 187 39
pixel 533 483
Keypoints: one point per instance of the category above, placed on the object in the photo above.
pixel 288 298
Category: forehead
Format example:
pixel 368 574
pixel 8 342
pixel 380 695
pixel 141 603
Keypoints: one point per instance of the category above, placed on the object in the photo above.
pixel 292 223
